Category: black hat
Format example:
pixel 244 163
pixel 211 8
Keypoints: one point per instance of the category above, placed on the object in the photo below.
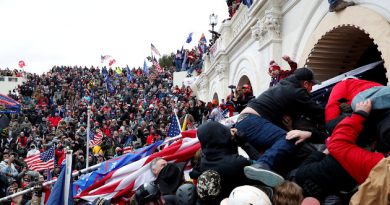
pixel 305 74
pixel 170 177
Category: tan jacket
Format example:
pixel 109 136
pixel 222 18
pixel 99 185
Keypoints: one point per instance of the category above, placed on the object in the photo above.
pixel 376 189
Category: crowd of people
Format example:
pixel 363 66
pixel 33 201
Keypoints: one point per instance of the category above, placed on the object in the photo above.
pixel 11 73
pixel 133 113
pixel 291 154
pixel 298 153
pixel 295 151
pixel 189 60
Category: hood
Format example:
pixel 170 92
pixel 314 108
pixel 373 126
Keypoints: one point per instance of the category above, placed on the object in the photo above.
pixel 215 138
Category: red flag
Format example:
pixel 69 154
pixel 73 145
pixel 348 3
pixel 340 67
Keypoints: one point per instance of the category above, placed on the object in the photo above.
pixel 112 61
pixel 22 64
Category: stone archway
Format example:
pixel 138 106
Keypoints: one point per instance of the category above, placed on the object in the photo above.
pixel 343 49
pixel 245 72
pixel 244 80
pixel 345 40
pixel 215 97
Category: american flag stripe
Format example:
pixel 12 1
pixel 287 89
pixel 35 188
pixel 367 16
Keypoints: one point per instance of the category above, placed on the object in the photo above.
pixel 95 139
pixel 154 49
pixel 128 178
pixel 127 149
pixel 42 161
pixel 155 63
pixel 43 165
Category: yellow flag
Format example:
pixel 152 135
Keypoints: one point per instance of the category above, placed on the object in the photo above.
pixel 118 70
pixel 184 127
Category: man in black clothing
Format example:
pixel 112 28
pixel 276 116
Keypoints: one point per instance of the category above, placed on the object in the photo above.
pixel 219 153
pixel 320 175
pixel 261 121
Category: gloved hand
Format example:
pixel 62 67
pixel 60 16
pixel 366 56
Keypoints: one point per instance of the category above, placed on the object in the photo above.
pixel 38 189
pixel 345 108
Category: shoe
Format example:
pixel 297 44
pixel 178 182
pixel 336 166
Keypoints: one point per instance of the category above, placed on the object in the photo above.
pixel 340 6
pixel 261 172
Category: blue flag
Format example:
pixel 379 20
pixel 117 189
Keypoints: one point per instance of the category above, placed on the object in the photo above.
pixel 111 165
pixel 104 72
pixel 146 68
pixel 110 87
pixel 128 74
pixel 189 38
pixel 57 193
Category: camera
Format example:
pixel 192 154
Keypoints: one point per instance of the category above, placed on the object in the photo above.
pixel 232 86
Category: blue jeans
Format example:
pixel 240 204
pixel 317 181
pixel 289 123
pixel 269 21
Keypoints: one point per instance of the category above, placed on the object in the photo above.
pixel 178 63
pixel 262 134
pixel 333 2
pixel 190 70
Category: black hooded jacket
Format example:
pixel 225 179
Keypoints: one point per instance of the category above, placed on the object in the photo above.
pixel 219 153
pixel 286 98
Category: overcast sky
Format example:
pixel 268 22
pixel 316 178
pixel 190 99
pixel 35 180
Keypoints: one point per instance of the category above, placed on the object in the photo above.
pixel 44 33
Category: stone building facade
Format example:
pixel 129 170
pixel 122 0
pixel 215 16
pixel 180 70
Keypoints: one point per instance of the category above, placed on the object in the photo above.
pixel 329 43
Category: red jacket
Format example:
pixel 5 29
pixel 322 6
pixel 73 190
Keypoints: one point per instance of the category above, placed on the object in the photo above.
pixel 54 120
pixel 60 155
pixel 22 140
pixel 106 131
pixel 357 161
pixel 347 89
pixel 151 139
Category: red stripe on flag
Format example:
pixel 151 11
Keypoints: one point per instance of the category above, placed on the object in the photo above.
pixel 119 182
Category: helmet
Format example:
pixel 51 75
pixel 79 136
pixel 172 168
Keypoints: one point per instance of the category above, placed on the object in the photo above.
pixel 147 192
pixel 247 195
pixel 186 194
pixel 209 185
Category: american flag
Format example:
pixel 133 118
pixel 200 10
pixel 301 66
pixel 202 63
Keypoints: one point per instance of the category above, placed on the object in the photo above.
pixel 124 181
pixel 95 139
pixel 155 63
pixel 154 49
pixel 174 127
pixel 104 57
pixel 42 161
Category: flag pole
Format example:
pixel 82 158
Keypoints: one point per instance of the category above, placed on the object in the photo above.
pixel 88 133
pixel 178 122
pixel 68 175
pixel 83 171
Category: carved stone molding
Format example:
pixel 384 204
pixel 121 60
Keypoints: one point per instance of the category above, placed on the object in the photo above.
pixel 268 27
pixel 203 83
pixel 222 70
